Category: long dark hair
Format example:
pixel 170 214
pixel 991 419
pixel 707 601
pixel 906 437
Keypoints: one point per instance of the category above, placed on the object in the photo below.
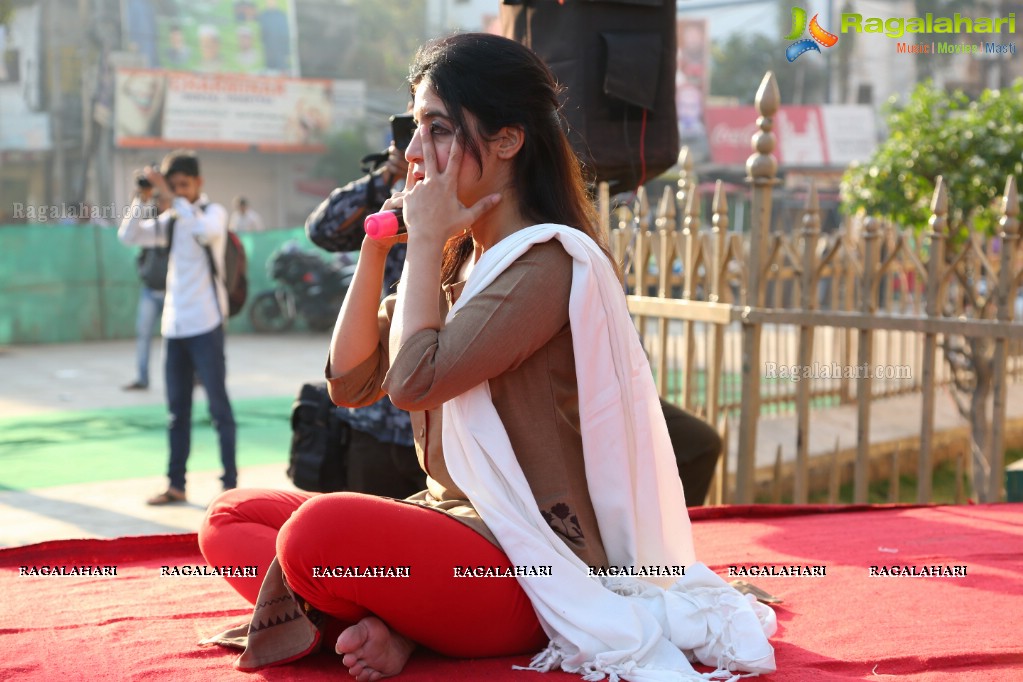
pixel 503 83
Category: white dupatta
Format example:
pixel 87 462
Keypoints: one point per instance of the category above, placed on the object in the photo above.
pixel 620 627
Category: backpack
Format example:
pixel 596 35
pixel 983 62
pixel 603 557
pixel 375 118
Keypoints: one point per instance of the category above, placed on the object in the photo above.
pixel 152 267
pixel 152 262
pixel 319 442
pixel 236 266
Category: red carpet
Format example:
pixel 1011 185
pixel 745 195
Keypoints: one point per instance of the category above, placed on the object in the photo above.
pixel 845 625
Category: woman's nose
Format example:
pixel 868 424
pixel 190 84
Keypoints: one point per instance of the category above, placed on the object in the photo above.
pixel 414 151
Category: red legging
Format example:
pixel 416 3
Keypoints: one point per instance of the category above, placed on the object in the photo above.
pixel 462 617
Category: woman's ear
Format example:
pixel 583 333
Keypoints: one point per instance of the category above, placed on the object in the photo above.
pixel 509 141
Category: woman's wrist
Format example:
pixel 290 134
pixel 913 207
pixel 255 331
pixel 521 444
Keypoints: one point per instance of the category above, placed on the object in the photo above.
pixel 374 252
pixel 422 241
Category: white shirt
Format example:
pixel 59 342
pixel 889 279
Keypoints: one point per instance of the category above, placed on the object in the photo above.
pixel 190 308
pixel 249 221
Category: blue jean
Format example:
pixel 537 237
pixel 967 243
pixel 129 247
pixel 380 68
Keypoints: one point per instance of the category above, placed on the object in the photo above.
pixel 149 311
pixel 199 356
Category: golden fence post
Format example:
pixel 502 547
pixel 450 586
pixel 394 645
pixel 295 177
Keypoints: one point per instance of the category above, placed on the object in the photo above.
pixel 641 211
pixel 835 478
pixel 865 353
pixel 1006 297
pixel 893 485
pixel 716 269
pixel 719 485
pixel 933 295
pixel 959 475
pixel 690 237
pixel 808 301
pixel 848 299
pixel 760 173
pixel 688 193
pixel 687 181
pixel 665 224
pixel 776 492
pixel 644 239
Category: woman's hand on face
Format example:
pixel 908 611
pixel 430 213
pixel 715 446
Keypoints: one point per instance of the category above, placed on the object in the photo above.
pixel 396 166
pixel 430 203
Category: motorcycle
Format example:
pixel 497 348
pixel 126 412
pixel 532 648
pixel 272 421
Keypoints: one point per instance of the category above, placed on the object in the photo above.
pixel 308 287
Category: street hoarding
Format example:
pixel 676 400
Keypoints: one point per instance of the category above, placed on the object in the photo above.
pixel 176 109
pixel 828 136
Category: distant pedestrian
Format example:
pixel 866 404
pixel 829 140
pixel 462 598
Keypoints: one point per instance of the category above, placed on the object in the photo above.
pixel 152 270
pixel 243 218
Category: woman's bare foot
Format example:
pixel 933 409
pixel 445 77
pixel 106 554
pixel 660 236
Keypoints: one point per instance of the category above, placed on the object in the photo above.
pixel 371 650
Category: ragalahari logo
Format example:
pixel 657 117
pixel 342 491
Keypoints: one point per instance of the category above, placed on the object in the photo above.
pixel 817 35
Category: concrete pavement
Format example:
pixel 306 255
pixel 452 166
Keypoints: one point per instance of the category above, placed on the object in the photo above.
pixel 89 376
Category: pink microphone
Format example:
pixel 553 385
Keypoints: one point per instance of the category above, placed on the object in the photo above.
pixel 384 224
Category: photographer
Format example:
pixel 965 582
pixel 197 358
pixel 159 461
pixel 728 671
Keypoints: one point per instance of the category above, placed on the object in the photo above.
pixel 194 230
pixel 381 456
pixel 152 270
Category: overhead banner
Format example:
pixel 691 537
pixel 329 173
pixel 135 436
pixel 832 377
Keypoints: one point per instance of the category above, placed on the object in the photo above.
pixel 217 36
pixel 831 135
pixel 175 109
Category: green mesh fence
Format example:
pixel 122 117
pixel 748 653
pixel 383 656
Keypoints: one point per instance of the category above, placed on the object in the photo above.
pixel 68 283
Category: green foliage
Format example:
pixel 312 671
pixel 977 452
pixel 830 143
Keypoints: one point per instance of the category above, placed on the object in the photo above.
pixel 340 161
pixel 389 34
pixel 975 145
pixel 370 40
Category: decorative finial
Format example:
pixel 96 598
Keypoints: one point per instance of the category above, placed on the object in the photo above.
pixel 720 218
pixel 1009 222
pixel 762 165
pixel 939 208
pixel 811 218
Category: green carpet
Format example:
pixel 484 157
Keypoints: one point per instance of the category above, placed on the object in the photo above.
pixel 112 444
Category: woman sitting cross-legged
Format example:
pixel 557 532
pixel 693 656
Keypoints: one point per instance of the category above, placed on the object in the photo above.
pixel 535 417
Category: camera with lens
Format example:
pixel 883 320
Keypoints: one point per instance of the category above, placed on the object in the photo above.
pixel 403 127
pixel 142 181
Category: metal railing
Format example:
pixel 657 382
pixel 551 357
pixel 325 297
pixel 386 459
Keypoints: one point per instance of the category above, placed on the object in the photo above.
pixel 872 310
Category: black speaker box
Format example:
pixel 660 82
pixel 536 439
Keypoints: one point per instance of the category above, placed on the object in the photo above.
pixel 616 61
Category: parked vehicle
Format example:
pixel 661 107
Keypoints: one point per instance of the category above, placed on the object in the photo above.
pixel 308 287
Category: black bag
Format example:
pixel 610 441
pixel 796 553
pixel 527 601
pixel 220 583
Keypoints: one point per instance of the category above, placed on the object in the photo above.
pixel 152 266
pixel 319 442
